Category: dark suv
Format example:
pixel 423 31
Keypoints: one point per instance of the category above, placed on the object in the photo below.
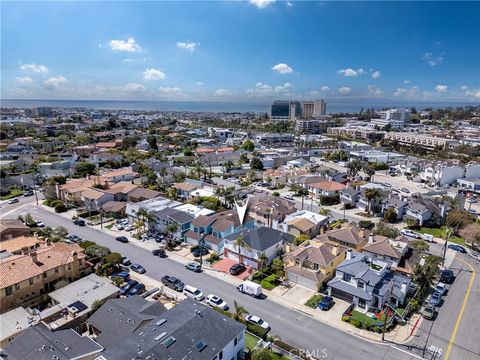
pixel 122 239
pixel 160 253
pixel 446 276
pixel 79 222
pixel 237 269
pixel 173 283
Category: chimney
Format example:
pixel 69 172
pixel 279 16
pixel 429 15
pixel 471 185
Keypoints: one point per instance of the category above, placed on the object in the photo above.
pixel 336 250
pixel 275 224
pixel 33 255
pixel 349 254
pixel 403 288
pixel 371 240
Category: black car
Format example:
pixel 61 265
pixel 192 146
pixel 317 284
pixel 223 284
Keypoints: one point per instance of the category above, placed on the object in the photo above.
pixel 198 251
pixel 79 222
pixel 457 248
pixel 137 290
pixel 446 276
pixel 237 269
pixel 122 239
pixel 173 283
pixel 126 288
pixel 160 253
pixel 138 268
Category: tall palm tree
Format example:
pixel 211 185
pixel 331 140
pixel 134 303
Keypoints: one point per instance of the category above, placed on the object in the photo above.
pixel 372 195
pixel 240 243
pixel 239 311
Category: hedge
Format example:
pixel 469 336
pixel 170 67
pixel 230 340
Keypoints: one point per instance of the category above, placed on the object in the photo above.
pixel 314 301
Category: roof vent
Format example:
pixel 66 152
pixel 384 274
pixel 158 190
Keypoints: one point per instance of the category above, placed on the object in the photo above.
pixel 160 336
pixel 161 322
pixel 169 341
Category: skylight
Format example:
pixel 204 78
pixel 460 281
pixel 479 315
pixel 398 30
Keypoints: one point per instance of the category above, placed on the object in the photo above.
pixel 200 345
pixel 169 341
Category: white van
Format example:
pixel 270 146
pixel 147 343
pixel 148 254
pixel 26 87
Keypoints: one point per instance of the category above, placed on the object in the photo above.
pixel 250 288
pixel 193 292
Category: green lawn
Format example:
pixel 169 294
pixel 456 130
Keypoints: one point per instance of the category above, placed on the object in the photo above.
pixel 270 282
pixel 365 319
pixel 440 233
pixel 109 226
pixel 250 341
pixel 13 193
pixel 314 301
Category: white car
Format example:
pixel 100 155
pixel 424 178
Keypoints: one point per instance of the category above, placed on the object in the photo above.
pixel 129 227
pixel 40 224
pixel 410 233
pixel 193 293
pixel 215 301
pixel 258 321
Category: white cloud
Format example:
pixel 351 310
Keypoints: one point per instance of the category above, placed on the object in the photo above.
pixel 134 87
pixel 34 68
pixel 432 59
pixel 464 88
pixel 282 68
pixel 121 45
pixel 170 90
pixel 441 88
pixel 187 45
pixel 153 74
pixel 406 81
pixel 376 74
pixel 200 83
pixel 374 91
pixel 313 93
pixel 361 71
pixel 348 72
pixel 283 88
pixel 289 4
pixel 402 92
pixel 261 4
pixel 344 90
pixel 223 92
pixel 135 60
pixel 262 89
pixel 23 80
pixel 54 82
pixel 471 93
pixel 325 88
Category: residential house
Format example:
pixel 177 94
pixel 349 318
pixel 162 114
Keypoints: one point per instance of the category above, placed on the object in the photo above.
pixel 312 265
pixel 140 194
pixel 256 243
pixel 12 228
pixel 349 197
pixel 418 212
pixel 115 208
pixel 20 245
pixel 398 205
pixel 170 218
pixel 184 189
pixel 351 236
pixel 325 188
pixel 13 322
pixel 442 173
pixel 369 283
pixel 281 177
pixel 57 168
pixel 304 222
pixel 383 248
pixel 24 278
pixel 189 330
pixel 105 157
pixel 267 210
pixel 374 205
pixel 123 174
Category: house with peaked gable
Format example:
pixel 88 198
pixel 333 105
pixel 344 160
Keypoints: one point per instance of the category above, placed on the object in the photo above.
pixel 351 236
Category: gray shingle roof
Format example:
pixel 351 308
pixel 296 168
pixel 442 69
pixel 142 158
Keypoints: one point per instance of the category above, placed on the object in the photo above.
pixel 39 343
pixel 181 217
pixel 261 238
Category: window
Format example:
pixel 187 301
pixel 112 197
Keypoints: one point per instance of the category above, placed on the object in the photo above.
pixel 235 341
pixel 17 287
pixel 69 266
pixel 30 281
pixel 220 355
pixel 8 290
pixel 361 284
pixel 56 270
pixel 347 277
pixel 315 266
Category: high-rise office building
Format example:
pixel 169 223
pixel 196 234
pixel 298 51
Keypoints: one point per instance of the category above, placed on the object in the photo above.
pixel 285 110
pixel 313 109
pixel 320 107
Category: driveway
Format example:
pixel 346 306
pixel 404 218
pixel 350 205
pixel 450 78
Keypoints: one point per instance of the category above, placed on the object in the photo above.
pixel 296 293
pixel 224 265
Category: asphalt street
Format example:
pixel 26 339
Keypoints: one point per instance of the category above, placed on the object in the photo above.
pixel 293 327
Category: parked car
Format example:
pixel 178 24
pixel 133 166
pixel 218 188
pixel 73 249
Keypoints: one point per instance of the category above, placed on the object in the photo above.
pixel 193 266
pixel 410 233
pixel 193 293
pixel 28 193
pixel 258 321
pixel 79 222
pixel 74 238
pixel 173 283
pixel 119 227
pixel 137 290
pixel 160 253
pixel 428 312
pixel 199 250
pixel 126 288
pixel 237 269
pixel 435 299
pixel 138 268
pixel 40 224
pixel 13 200
pixel 126 261
pixel 215 301
pixel 123 274
pixel 405 190
pixel 447 276
pixel 457 248
pixel 440 288
pixel 122 239
pixel 159 238
pixel 128 227
pixel 250 288
pixel 326 303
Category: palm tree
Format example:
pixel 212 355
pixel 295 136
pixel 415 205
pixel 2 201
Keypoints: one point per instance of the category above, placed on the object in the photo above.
pixel 371 195
pixel 263 259
pixel 240 243
pixel 227 166
pixel 239 311
pixel 324 212
pixel 139 224
pixel 144 216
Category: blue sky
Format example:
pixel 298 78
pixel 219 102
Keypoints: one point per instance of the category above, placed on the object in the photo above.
pixel 240 50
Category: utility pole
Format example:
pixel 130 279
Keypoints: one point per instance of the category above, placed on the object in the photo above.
pixel 448 233
pixel 34 187
pixel 201 244
pixel 344 207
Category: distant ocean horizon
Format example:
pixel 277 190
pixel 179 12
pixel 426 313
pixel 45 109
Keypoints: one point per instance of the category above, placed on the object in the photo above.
pixel 333 106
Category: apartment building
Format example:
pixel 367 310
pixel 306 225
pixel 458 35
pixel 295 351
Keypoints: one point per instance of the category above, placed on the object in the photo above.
pixel 424 141
pixel 24 278
pixel 12 228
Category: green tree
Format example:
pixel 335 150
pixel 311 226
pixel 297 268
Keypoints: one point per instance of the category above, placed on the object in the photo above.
pixel 370 171
pixel 386 230
pixel 83 169
pixel 458 219
pixel 113 258
pixel 278 267
pixel 97 304
pixel 471 234
pixel 239 311
pixel 390 215
pixel 372 195
pixel 152 142
pixel 353 167
pixel 419 245
pixel 263 354
pixel 366 224
pixel 256 164
pixel 248 145
pixel 227 166
pixel 300 239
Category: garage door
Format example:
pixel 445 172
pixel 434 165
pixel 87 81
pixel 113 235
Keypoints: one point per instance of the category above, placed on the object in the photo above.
pixel 232 256
pixel 300 280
